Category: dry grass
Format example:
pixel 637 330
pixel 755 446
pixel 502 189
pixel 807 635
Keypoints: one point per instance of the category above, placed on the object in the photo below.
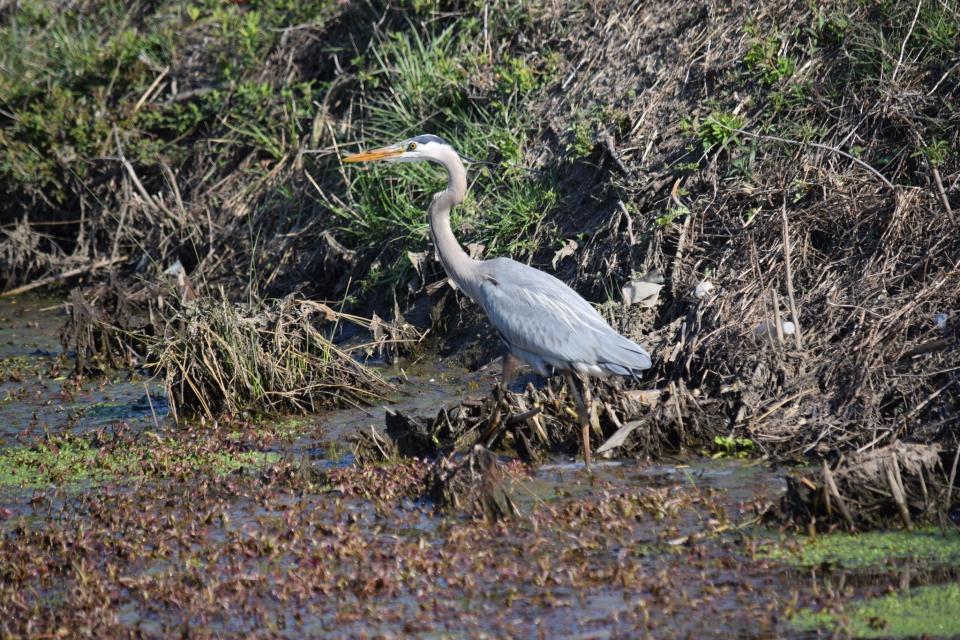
pixel 226 357
pixel 803 161
pixel 802 158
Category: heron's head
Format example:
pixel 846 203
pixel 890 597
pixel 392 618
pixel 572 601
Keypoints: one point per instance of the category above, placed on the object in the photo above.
pixel 424 147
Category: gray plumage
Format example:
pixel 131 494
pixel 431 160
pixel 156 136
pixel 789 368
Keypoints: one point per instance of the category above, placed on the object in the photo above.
pixel 427 138
pixel 548 325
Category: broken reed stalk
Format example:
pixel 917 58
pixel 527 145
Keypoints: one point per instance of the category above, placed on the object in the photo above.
pixel 831 485
pixel 676 407
pixel 937 179
pixel 66 275
pixel 903 45
pixel 789 276
pixel 896 489
pixel 150 200
pixel 943 193
pixel 953 473
pixel 777 320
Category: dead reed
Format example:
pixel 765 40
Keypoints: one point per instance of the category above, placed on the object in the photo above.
pixel 271 356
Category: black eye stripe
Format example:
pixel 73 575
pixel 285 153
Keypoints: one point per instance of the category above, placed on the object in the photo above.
pixel 426 138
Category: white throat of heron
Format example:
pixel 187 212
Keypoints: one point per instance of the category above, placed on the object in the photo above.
pixel 460 267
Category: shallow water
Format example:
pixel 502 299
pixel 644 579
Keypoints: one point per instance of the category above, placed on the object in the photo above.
pixel 37 394
pixel 299 542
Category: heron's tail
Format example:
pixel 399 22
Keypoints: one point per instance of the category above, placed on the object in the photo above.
pixel 624 357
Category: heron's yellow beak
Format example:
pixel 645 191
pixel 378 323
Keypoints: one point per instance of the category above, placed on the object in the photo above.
pixel 383 153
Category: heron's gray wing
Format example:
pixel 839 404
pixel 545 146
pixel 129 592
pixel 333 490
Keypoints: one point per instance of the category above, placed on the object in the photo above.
pixel 539 314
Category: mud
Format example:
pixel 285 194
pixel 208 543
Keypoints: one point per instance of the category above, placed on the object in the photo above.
pixel 247 527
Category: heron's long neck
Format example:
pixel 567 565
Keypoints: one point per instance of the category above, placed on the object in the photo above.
pixel 459 266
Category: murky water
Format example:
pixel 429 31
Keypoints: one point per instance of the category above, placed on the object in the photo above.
pixel 172 536
pixel 37 394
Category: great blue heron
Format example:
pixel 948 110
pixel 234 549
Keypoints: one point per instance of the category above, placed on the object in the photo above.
pixel 541 320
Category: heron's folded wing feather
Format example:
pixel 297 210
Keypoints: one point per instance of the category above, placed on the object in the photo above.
pixel 538 313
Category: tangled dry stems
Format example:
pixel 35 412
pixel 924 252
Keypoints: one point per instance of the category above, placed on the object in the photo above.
pixel 801 159
pixel 219 357
pixel 230 358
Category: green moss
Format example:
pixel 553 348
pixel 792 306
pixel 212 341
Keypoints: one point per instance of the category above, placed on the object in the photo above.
pixel 873 548
pixel 923 612
pixel 70 460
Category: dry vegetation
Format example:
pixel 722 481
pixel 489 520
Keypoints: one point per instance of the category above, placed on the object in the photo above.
pixel 801 159
pixel 174 165
pixel 222 358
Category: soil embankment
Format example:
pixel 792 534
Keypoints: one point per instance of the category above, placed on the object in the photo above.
pixel 767 197
pixel 781 168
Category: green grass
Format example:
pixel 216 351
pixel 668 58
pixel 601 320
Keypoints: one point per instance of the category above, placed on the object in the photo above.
pixel 924 612
pixel 765 59
pixel 70 460
pixel 71 76
pixel 873 548
pixel 419 84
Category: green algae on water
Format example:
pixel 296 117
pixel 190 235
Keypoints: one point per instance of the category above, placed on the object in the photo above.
pixel 923 612
pixel 873 548
pixel 72 460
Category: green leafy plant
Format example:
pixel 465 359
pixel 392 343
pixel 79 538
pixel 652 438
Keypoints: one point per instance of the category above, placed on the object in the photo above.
pixel 582 141
pixel 765 60
pixel 719 130
pixel 733 447
pixel 936 152
pixel 671 214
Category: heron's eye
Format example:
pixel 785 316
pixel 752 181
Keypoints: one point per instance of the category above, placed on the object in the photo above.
pixel 411 146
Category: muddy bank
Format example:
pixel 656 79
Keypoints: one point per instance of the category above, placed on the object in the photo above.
pixel 809 277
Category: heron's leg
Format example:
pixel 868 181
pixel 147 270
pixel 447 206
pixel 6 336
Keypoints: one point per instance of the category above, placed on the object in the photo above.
pixel 510 363
pixel 583 412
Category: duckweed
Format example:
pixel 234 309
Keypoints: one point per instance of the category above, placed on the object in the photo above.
pixel 873 548
pixel 72 460
pixel 923 612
